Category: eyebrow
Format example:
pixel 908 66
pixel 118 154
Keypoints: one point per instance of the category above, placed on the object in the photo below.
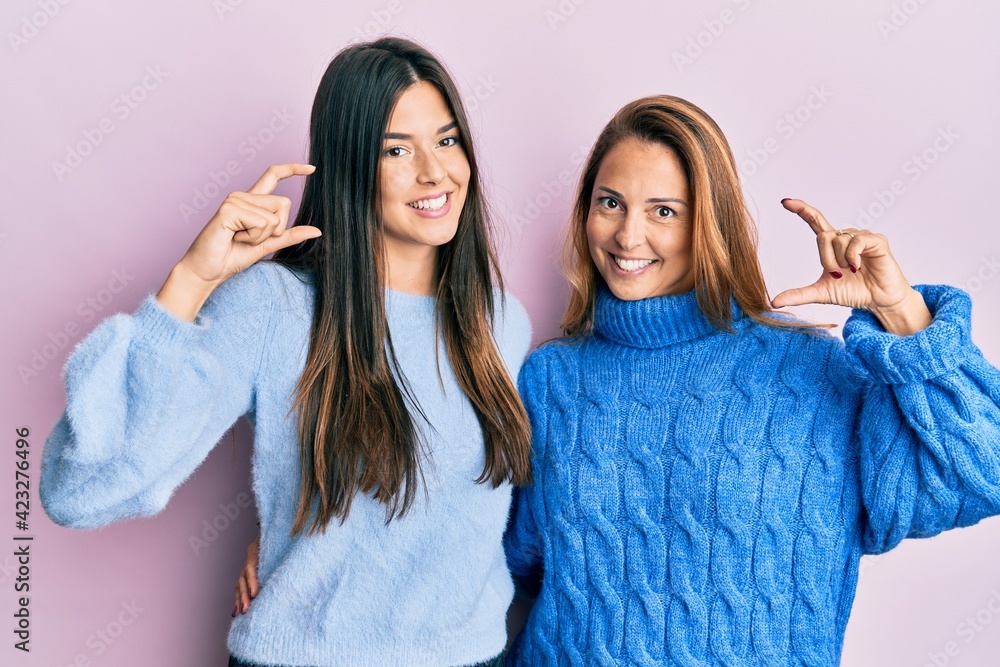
pixel 407 137
pixel 664 200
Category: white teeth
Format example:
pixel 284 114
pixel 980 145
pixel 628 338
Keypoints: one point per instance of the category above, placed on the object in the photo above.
pixel 429 204
pixel 632 264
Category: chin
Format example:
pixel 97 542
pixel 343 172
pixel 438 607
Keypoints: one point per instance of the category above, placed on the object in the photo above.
pixel 445 235
pixel 627 292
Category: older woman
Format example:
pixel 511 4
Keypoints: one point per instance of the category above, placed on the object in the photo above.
pixel 708 471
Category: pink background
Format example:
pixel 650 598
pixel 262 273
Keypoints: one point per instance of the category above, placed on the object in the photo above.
pixel 887 80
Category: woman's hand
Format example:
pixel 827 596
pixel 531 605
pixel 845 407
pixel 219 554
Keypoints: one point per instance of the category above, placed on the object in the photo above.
pixel 246 585
pixel 247 226
pixel 858 272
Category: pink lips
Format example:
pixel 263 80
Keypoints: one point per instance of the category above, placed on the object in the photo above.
pixel 428 213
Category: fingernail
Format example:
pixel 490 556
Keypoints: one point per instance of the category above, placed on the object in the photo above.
pixel 785 199
pixel 837 274
pixel 854 269
pixel 234 610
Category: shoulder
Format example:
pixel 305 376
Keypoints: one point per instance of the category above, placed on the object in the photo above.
pixel 808 352
pixel 262 295
pixel 554 363
pixel 253 282
pixel 512 327
pixel 272 285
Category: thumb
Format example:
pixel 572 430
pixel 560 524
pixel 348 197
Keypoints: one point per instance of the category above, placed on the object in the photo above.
pixel 292 236
pixel 798 296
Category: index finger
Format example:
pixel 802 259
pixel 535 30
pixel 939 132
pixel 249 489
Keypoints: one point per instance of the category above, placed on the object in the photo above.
pixel 269 180
pixel 811 215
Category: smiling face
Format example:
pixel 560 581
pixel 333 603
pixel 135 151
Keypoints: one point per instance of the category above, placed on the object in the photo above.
pixel 639 227
pixel 423 176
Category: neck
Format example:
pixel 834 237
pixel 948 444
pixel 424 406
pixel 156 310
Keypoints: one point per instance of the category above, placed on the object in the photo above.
pixel 411 269
pixel 655 322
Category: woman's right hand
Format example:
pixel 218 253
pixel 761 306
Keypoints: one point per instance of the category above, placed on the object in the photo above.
pixel 247 586
pixel 247 226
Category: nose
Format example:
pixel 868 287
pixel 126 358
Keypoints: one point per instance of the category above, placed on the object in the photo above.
pixel 430 170
pixel 631 233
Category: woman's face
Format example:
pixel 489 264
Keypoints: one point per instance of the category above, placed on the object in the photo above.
pixel 639 224
pixel 423 175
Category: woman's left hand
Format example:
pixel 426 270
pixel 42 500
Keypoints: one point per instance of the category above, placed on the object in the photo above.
pixel 858 272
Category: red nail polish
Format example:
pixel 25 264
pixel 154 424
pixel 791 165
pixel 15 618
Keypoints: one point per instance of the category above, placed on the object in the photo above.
pixel 234 610
pixel 785 199
pixel 837 274
pixel 854 269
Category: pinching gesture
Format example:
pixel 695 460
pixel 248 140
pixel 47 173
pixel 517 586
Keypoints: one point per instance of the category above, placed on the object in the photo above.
pixel 247 227
pixel 859 271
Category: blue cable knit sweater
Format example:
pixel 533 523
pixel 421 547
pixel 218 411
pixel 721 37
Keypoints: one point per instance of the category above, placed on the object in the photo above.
pixel 149 395
pixel 704 498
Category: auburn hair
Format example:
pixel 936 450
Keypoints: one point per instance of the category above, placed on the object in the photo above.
pixel 356 430
pixel 724 238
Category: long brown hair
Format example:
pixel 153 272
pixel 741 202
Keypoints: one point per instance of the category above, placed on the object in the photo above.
pixel 356 433
pixel 724 239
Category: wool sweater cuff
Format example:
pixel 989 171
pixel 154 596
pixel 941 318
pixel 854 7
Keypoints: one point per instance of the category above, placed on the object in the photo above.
pixel 155 326
pixel 935 351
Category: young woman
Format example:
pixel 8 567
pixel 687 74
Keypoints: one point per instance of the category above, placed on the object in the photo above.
pixel 708 472
pixel 374 356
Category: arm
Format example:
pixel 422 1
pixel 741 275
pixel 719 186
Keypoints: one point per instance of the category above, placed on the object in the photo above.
pixel 523 542
pixel 930 424
pixel 148 395
pixel 523 545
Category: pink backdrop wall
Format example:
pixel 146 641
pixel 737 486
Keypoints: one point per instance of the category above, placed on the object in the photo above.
pixel 118 118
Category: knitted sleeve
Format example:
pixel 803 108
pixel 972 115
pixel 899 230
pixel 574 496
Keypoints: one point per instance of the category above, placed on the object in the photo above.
pixel 523 541
pixel 148 395
pixel 929 426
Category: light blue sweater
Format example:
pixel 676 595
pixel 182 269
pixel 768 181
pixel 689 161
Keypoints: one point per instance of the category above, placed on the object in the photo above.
pixel 149 395
pixel 703 498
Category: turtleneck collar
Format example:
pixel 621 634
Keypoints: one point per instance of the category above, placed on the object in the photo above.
pixel 654 322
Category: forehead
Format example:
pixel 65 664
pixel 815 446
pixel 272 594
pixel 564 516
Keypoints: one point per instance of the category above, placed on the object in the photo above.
pixel 420 108
pixel 643 169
